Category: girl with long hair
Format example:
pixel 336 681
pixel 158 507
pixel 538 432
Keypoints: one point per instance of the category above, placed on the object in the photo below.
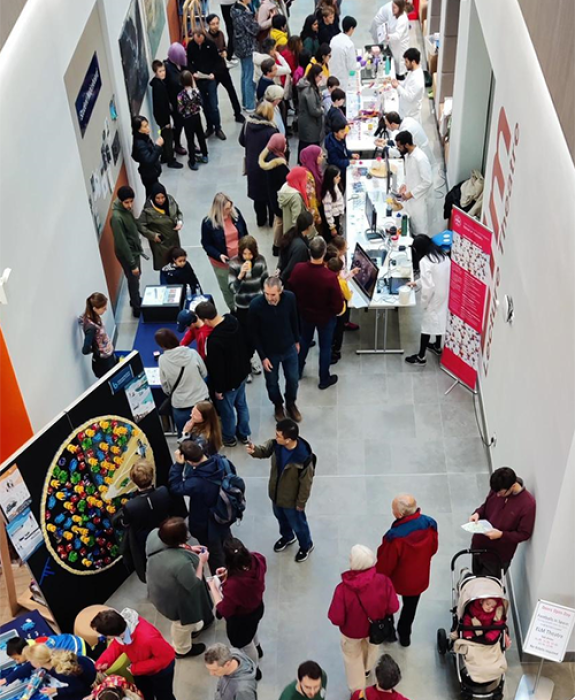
pixel 333 201
pixel 294 246
pixel 96 341
pixel 204 429
pixel 310 120
pixel 309 34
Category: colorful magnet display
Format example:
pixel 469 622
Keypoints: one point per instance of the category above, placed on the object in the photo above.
pixel 87 484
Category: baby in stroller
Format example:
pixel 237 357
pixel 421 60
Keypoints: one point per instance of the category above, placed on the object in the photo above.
pixel 486 612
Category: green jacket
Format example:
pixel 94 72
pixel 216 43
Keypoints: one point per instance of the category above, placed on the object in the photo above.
pixel 151 223
pixel 293 487
pixel 126 235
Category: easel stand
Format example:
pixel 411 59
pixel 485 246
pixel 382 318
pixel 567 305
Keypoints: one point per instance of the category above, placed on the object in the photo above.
pixel 535 687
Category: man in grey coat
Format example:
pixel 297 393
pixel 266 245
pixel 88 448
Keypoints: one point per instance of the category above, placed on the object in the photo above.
pixel 236 673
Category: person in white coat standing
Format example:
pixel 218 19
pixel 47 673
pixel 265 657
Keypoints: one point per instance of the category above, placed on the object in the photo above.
pixel 391 26
pixel 413 87
pixel 343 57
pixel 395 125
pixel 435 271
pixel 418 182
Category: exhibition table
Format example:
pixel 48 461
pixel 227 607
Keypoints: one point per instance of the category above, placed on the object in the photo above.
pixel 397 263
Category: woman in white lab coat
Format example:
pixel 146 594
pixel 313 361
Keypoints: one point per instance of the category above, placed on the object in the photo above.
pixel 391 26
pixel 435 270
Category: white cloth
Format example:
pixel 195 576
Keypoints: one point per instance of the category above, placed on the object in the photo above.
pixel 342 59
pixel 418 181
pixel 434 284
pixel 396 36
pixel 411 92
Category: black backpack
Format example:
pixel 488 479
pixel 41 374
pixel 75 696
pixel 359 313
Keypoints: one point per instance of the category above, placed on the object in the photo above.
pixel 231 502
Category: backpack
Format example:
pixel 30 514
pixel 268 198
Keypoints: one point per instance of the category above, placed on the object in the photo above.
pixel 231 502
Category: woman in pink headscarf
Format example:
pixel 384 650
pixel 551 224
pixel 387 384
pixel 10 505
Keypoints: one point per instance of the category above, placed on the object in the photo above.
pixel 311 158
pixel 273 162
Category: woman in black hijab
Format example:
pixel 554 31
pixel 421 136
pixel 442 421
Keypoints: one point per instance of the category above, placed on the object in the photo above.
pixel 160 222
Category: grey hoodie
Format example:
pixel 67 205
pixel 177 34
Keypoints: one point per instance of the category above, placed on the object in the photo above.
pixel 240 685
pixel 192 387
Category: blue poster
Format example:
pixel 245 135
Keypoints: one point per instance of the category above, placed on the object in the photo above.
pixel 88 94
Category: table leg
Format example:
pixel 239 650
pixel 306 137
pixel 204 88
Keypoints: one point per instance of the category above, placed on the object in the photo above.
pixel 384 350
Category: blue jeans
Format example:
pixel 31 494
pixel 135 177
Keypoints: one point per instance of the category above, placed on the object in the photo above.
pixel 248 89
pixel 289 361
pixel 181 416
pixel 325 335
pixel 293 521
pixel 234 399
pixel 209 90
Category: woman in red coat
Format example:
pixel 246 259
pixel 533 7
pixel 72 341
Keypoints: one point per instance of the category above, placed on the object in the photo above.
pixel 362 593
pixel 151 657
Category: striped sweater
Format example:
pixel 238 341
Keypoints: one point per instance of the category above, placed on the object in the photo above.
pixel 249 287
pixel 333 208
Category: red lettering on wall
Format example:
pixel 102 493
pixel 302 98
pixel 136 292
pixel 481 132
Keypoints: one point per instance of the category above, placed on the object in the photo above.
pixel 497 175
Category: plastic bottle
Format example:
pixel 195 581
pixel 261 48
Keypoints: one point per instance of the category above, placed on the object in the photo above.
pixel 387 65
pixel 404 225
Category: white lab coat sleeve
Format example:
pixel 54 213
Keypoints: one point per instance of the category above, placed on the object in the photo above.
pixel 425 178
pixel 377 27
pixel 397 37
pixel 350 59
pixel 427 283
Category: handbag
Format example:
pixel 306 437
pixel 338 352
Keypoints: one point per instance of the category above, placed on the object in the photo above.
pixel 380 631
pixel 165 408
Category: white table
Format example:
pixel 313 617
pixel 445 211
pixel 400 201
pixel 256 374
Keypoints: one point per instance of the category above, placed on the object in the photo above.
pixel 356 226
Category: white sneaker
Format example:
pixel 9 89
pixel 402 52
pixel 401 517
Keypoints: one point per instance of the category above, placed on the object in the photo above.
pixel 234 61
pixel 230 64
pixel 249 378
pixel 256 367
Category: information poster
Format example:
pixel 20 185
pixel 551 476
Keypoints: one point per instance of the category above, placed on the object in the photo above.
pixel 25 534
pixel 14 494
pixel 550 630
pixel 140 397
pixel 470 272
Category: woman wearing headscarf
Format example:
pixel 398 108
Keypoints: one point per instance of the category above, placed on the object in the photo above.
pixel 273 163
pixel 255 134
pixel 311 159
pixel 362 595
pixel 176 62
pixel 292 197
pixel 160 222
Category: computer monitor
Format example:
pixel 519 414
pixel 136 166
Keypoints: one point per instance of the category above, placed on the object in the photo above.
pixel 371 213
pixel 366 278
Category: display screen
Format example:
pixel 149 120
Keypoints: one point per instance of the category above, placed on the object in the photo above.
pixel 370 212
pixel 367 275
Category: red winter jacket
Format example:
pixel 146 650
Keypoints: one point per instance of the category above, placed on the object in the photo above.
pixel 372 693
pixel 476 615
pixel 377 598
pixel 149 653
pixel 243 592
pixel 200 335
pixel 405 553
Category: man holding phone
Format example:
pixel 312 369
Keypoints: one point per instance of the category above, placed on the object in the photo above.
pixel 291 478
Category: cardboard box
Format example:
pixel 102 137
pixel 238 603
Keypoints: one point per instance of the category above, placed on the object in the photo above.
pixel 432 63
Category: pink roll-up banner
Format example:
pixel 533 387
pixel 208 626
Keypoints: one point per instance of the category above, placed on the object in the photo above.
pixel 470 278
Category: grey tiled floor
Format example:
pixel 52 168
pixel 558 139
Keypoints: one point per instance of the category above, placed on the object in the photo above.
pixel 385 428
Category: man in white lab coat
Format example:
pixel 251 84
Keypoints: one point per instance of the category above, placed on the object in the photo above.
pixel 413 87
pixel 343 56
pixel 391 26
pixel 395 124
pixel 418 183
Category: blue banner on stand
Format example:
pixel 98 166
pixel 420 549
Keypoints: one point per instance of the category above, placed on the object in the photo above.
pixel 88 94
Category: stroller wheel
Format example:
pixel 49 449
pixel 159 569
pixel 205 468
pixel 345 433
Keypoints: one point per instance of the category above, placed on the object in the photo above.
pixel 442 644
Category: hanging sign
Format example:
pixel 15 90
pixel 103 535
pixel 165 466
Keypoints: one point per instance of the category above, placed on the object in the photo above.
pixel 88 94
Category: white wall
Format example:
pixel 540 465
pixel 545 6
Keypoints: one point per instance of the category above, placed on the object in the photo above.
pixel 47 236
pixel 529 379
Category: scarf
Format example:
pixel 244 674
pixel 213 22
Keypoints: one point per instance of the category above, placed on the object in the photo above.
pixel 308 158
pixel 297 178
pixel 158 188
pixel 277 145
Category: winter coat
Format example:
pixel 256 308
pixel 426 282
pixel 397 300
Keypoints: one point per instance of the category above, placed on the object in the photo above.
pixel 199 484
pixel 264 12
pixel 311 44
pixel 254 137
pixel 372 693
pixel 171 274
pixel 75 688
pixel 192 387
pixel 161 106
pixel 317 291
pixel 246 29
pixel 291 488
pixel 310 119
pixel 151 223
pixel 477 617
pixel 148 155
pixel 205 58
pixel 127 245
pixel 173 587
pixel 337 153
pixel 296 252
pixel 241 684
pixel 189 102
pixel 247 288
pixel 405 553
pixel 148 651
pixel 365 588
pixel 214 239
pixel 173 83
pixel 228 357
pixel 434 283
pixel 275 172
pixel 243 591
pixel 96 339
pixel 292 205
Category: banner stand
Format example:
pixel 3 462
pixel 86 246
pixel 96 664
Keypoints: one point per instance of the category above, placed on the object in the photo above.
pixel 456 381
pixel 535 688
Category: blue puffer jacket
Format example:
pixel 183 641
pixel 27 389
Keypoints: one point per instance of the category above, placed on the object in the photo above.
pixel 337 153
pixel 214 239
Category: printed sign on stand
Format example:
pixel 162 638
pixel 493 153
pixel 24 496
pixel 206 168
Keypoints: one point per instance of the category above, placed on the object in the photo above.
pixel 470 271
pixel 550 630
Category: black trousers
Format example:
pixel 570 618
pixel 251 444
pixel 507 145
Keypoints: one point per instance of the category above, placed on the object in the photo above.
pixel 339 330
pixel 158 686
pixel 425 342
pixel 226 14
pixel 101 365
pixel 149 182
pixel 264 213
pixel 225 79
pixel 168 147
pixel 483 565
pixel 213 537
pixel 133 286
pixel 193 128
pixel 407 615
pixel 178 126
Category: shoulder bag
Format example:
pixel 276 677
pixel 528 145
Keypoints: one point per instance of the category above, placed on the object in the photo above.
pixel 165 408
pixel 380 631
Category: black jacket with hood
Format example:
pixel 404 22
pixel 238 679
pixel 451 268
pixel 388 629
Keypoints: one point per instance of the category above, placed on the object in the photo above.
pixel 228 357
pixel 276 170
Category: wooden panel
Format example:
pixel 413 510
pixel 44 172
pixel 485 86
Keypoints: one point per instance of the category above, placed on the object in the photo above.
pixel 174 21
pixel 112 268
pixel 551 26
pixel 15 427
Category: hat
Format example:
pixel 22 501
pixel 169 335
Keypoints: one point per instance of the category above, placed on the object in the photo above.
pixel 273 93
pixel 185 319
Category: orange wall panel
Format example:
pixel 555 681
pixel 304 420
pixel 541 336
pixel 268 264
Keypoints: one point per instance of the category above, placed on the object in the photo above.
pixel 174 21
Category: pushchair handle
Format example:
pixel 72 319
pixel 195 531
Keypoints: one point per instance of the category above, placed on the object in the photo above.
pixel 477 551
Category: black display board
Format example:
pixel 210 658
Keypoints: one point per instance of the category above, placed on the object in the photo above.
pixel 66 592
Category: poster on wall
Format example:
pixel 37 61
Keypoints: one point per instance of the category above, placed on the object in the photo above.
pixel 134 59
pixel 140 397
pixel 155 21
pixel 25 534
pixel 14 494
pixel 470 270
pixel 88 94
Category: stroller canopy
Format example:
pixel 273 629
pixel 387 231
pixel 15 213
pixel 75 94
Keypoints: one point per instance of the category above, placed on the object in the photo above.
pixel 477 588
